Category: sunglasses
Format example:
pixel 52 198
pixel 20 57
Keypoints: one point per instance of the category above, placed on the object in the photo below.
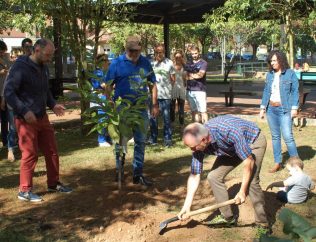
pixel 133 50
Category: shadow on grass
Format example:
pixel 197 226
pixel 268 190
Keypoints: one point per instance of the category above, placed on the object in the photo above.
pixel 95 202
pixel 305 153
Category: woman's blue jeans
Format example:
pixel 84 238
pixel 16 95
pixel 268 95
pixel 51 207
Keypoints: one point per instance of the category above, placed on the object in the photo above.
pixel 12 135
pixel 4 127
pixel 280 123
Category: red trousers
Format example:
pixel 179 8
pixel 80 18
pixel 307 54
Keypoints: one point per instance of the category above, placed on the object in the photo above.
pixel 33 137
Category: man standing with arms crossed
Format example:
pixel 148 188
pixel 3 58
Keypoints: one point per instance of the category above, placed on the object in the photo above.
pixel 27 92
pixel 131 73
pixel 196 86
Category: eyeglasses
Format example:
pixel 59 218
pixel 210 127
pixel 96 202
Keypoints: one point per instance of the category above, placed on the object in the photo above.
pixel 133 50
pixel 199 145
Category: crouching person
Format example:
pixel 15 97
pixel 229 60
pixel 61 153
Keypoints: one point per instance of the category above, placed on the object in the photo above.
pixel 297 186
pixel 234 141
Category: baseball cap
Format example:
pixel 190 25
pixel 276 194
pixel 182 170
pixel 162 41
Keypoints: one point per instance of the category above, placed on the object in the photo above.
pixel 133 42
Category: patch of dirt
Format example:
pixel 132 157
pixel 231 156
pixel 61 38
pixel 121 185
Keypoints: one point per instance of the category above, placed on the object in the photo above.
pixel 97 211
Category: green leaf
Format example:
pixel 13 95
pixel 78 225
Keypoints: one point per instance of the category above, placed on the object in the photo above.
pixel 294 224
pixel 311 233
pixel 114 133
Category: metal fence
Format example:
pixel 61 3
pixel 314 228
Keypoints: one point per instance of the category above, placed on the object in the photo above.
pixel 247 67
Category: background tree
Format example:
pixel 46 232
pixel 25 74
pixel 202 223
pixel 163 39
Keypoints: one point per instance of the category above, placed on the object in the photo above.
pixel 283 11
pixel 150 34
pixel 78 18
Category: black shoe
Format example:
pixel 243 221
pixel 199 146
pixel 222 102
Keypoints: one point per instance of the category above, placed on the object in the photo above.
pixel 142 181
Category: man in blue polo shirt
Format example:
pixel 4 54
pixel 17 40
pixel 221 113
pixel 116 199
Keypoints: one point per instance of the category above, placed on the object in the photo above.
pixel 233 141
pixel 130 73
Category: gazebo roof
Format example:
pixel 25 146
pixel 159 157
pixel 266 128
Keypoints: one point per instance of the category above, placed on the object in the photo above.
pixel 172 11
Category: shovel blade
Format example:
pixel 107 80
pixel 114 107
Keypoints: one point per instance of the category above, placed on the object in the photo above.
pixel 164 224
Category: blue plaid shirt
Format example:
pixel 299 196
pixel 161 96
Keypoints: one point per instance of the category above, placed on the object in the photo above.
pixel 230 136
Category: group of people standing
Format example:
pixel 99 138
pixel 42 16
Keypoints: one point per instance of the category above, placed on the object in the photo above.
pixel 232 140
pixel 178 80
pixel 8 130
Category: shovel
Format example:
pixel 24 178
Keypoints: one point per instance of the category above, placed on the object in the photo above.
pixel 164 224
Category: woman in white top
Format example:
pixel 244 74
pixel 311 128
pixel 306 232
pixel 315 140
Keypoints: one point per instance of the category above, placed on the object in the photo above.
pixel 280 100
pixel 178 90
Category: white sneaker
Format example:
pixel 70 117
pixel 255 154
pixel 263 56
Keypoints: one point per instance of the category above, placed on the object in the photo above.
pixel 105 144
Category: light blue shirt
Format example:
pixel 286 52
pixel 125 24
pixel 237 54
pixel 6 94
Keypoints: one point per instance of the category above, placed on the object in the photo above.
pixel 288 90
pixel 298 186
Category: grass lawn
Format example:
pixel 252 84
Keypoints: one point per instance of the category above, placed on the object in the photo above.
pixel 97 211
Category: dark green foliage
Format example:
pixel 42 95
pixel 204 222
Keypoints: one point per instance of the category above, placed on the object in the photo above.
pixel 295 226
pixel 12 236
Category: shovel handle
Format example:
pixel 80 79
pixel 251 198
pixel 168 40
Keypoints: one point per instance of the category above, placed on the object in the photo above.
pixel 210 208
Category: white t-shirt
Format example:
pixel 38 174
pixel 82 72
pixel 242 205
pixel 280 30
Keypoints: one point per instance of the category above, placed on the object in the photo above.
pixel 178 89
pixel 275 89
pixel 163 70
pixel 298 186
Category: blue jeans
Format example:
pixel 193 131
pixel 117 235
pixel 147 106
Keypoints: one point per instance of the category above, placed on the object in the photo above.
pixel 12 135
pixel 280 122
pixel 140 134
pixel 4 127
pixel 103 136
pixel 282 196
pixel 164 108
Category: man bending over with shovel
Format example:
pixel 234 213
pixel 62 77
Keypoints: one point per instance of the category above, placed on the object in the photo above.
pixel 233 141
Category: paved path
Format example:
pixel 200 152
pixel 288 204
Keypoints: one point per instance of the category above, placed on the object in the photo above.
pixel 245 105
pixel 216 105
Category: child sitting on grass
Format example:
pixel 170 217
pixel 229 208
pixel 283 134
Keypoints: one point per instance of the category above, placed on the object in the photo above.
pixel 297 185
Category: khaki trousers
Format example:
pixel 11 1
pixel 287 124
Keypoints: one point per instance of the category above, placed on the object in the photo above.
pixel 224 164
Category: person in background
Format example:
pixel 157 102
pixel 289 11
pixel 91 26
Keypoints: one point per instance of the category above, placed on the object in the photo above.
pixel 196 86
pixel 98 85
pixel 297 186
pixel 4 69
pixel 27 46
pixel 27 92
pixel 132 73
pixel 178 94
pixel 305 67
pixel 165 76
pixel 280 101
pixel 297 69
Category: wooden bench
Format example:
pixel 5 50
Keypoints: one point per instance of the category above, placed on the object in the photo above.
pixel 64 80
pixel 306 78
pixel 237 88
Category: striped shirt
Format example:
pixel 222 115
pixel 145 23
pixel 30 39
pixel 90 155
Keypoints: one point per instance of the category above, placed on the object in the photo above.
pixel 230 136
